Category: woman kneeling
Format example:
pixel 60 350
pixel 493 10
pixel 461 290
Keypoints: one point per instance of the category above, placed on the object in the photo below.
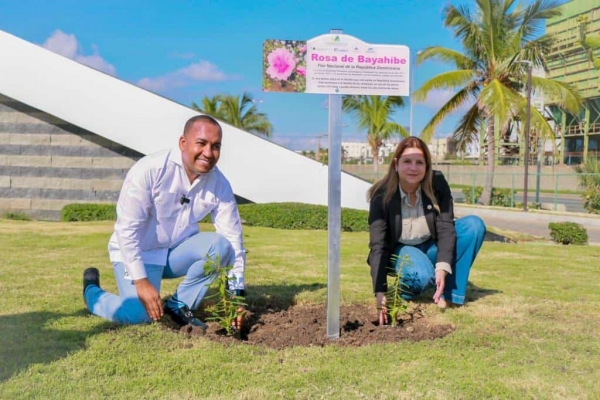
pixel 412 228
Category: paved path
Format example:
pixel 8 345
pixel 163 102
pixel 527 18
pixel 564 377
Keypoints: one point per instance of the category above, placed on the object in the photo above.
pixel 566 202
pixel 533 222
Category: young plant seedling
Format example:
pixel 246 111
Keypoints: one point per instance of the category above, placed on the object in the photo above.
pixel 229 306
pixel 396 305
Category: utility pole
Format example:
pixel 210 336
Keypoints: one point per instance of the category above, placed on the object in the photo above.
pixel 527 126
pixel 541 146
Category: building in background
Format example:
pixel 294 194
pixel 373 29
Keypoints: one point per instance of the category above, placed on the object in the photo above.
pixel 361 153
pixel 575 59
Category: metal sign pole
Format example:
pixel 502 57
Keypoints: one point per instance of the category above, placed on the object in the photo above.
pixel 334 203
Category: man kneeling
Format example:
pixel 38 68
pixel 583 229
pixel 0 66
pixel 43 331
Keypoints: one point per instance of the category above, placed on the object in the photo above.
pixel 157 236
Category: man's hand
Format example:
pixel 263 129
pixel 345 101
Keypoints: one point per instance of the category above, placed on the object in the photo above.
pixel 382 308
pixel 150 298
pixel 440 283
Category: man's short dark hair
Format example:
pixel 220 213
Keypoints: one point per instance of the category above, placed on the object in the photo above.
pixel 201 118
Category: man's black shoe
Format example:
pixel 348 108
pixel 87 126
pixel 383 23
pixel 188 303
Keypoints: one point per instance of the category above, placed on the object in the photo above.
pixel 183 316
pixel 91 276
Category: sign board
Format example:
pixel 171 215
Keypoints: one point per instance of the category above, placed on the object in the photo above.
pixel 336 64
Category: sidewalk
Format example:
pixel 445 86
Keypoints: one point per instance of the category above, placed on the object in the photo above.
pixel 533 222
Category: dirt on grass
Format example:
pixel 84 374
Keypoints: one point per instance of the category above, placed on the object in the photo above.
pixel 282 327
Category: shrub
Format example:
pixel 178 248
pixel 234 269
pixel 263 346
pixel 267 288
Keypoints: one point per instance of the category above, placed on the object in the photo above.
pixel 470 197
pixel 589 179
pixel 589 172
pixel 300 216
pixel 17 216
pixel 89 212
pixel 591 200
pixel 568 233
pixel 500 197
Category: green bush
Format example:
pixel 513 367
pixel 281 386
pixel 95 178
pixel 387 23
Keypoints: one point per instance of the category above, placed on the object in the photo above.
pixel 300 216
pixel 500 197
pixel 17 216
pixel 89 212
pixel 470 197
pixel 591 200
pixel 568 233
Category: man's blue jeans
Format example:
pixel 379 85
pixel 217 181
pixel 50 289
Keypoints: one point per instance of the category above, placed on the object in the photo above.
pixel 418 272
pixel 186 259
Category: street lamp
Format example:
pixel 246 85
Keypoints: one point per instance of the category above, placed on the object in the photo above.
pixel 527 123
pixel 318 153
pixel 413 63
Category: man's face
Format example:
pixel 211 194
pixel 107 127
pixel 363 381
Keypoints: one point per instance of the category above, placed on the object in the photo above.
pixel 200 148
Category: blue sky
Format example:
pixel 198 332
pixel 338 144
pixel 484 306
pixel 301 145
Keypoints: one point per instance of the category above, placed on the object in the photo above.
pixel 184 50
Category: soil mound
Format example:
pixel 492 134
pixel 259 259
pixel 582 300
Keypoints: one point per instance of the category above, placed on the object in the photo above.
pixel 279 328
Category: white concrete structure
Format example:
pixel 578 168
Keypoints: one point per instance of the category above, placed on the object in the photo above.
pixel 362 150
pixel 438 147
pixel 258 169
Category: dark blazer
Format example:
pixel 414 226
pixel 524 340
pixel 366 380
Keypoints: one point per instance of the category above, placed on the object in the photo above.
pixel 385 228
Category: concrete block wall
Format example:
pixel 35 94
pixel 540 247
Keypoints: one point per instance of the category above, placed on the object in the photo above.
pixel 47 163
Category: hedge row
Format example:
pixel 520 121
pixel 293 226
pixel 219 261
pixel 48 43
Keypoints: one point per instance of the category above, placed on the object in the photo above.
pixel 270 215
pixel 89 212
pixel 500 197
pixel 300 216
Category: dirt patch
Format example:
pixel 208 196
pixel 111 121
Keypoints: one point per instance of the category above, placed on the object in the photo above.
pixel 280 328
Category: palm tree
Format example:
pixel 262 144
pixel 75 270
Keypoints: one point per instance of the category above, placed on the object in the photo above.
pixel 373 114
pixel 490 75
pixel 240 112
pixel 210 106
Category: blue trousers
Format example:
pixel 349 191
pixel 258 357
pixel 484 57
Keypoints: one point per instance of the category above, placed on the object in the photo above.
pixel 418 269
pixel 186 259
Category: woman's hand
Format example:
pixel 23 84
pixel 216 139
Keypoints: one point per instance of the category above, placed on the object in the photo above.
pixel 381 308
pixel 440 283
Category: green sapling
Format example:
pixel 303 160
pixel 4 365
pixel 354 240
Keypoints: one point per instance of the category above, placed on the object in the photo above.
pixel 229 306
pixel 396 305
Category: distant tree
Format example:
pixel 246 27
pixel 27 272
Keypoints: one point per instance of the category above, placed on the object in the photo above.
pixel 488 73
pixel 210 106
pixel 239 111
pixel 373 114
pixel 324 155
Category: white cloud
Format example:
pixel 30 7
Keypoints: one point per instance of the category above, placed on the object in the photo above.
pixel 67 45
pixel 196 72
pixel 438 97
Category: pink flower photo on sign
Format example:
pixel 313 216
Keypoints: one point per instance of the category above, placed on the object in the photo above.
pixel 284 66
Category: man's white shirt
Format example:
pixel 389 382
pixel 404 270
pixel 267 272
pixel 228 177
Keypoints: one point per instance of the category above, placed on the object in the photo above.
pixel 152 218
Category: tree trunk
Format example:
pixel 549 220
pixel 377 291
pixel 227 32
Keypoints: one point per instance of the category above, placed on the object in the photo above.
pixel 375 151
pixel 486 196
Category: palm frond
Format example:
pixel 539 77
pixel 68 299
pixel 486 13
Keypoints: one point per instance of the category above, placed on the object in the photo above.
pixel 537 122
pixel 446 55
pixel 592 41
pixel 468 127
pixel 534 15
pixel 498 100
pixel 445 80
pixel 456 101
pixel 559 93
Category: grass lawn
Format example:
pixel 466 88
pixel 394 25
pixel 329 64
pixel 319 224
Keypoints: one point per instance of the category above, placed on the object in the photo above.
pixel 530 331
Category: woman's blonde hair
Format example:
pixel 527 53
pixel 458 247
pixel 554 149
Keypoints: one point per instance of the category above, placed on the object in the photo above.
pixel 389 183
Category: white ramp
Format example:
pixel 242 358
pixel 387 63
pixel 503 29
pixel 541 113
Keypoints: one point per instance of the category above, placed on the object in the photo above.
pixel 258 169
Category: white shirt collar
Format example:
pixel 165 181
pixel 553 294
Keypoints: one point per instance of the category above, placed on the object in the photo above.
pixel 404 196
